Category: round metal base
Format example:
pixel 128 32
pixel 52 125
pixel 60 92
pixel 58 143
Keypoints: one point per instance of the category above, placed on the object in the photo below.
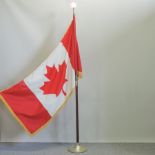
pixel 77 149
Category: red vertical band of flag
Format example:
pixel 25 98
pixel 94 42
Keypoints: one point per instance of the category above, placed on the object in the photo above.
pixel 70 42
pixel 26 107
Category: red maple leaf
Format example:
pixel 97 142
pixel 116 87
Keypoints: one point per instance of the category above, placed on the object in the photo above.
pixel 56 80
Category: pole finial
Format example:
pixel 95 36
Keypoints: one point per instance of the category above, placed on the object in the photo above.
pixel 73 4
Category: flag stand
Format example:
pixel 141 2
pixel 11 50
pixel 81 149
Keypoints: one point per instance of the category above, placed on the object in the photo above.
pixel 77 148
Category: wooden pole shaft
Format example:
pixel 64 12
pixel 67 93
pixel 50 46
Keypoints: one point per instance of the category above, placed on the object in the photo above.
pixel 77 108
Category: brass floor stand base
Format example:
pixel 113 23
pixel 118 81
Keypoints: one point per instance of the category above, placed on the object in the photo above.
pixel 77 149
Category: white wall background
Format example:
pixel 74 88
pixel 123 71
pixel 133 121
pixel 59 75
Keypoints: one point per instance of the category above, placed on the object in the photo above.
pixel 117 42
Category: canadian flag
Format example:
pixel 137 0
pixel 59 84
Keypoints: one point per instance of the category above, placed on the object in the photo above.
pixel 36 99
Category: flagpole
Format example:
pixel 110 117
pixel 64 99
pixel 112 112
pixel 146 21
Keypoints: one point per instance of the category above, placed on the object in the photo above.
pixel 76 99
pixel 77 107
pixel 77 148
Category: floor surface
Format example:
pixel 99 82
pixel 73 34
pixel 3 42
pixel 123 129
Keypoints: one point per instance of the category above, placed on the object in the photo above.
pixel 61 149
